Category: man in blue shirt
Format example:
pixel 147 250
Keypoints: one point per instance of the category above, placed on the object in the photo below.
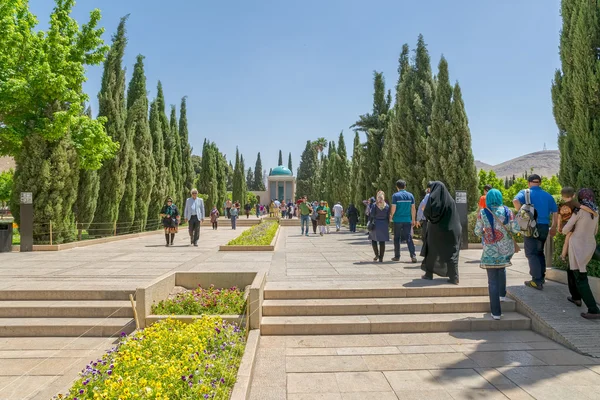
pixel 194 215
pixel 403 214
pixel 547 214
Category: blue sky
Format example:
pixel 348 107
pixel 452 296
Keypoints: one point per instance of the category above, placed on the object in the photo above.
pixel 266 75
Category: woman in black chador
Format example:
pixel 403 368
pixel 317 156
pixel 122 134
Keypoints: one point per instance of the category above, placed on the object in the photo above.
pixel 441 246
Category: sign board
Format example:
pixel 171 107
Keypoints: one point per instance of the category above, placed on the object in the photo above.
pixel 461 197
pixel 26 198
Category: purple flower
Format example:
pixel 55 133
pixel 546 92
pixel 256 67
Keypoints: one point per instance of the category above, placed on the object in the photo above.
pixel 123 334
pixel 183 378
pixel 218 330
pixel 109 372
pixel 206 396
pixel 191 376
pixel 86 382
pixel 190 384
pixel 81 391
pixel 222 380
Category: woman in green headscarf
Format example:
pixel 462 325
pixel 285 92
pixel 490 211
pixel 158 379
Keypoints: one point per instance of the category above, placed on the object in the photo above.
pixel 170 219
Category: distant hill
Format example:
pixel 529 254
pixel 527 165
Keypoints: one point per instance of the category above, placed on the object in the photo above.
pixel 6 163
pixel 544 163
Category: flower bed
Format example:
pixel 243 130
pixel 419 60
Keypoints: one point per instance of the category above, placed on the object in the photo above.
pixel 259 235
pixel 169 360
pixel 202 301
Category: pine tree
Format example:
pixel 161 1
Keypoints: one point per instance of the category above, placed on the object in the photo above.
pixel 87 194
pixel 176 169
pixel 207 181
pixel 250 180
pixel 187 168
pixel 461 173
pixel 439 145
pixel 306 184
pixel 169 143
pixel 280 161
pixel 238 179
pixel 259 184
pixel 290 167
pixel 159 190
pixel 138 126
pixel 111 103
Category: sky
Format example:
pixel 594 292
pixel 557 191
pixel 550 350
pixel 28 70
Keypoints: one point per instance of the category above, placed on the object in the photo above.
pixel 268 75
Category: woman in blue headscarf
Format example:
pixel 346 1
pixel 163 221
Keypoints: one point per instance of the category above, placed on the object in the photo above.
pixel 496 225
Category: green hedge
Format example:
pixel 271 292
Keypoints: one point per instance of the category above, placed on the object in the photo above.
pixel 473 220
pixel 593 267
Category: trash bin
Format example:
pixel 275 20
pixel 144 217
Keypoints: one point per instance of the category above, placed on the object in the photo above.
pixel 6 232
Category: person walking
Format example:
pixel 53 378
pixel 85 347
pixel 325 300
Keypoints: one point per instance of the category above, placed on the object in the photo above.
pixel 170 219
pixel 403 214
pixel 496 225
pixel 582 245
pixel 214 217
pixel 322 212
pixel 421 220
pixel 442 246
pixel 194 215
pixel 328 218
pixel 353 216
pixel 235 212
pixel 482 199
pixel 314 216
pixel 338 213
pixel 378 226
pixel 228 208
pixel 248 208
pixel 257 209
pixel 305 213
pixel 546 211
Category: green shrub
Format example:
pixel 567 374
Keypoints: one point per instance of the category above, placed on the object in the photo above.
pixel 473 220
pixel 259 235
pixel 593 267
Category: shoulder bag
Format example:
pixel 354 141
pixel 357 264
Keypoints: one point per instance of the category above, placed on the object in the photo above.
pixel 508 232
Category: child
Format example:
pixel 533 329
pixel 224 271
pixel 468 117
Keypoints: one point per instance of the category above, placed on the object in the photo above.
pixel 214 217
pixel 568 204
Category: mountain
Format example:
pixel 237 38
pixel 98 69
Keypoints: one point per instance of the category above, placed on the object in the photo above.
pixel 543 163
pixel 6 163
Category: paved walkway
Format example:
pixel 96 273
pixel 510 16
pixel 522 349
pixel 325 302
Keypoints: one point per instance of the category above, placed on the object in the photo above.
pixel 518 365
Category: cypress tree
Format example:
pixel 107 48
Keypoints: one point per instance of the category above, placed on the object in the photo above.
pixel 356 182
pixel 222 169
pixel 341 175
pixel 159 190
pixel 280 161
pixel 244 197
pixel 197 166
pixel 306 184
pixel 139 128
pixel 238 179
pixel 169 143
pixel 461 173
pixel 250 180
pixel 111 104
pixel 176 168
pixel 187 168
pixel 230 171
pixel 87 193
pixel 290 167
pixel 323 177
pixel 439 145
pixel 331 178
pixel 259 184
pixel 207 181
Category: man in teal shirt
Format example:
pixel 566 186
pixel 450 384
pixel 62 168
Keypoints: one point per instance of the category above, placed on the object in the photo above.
pixel 403 214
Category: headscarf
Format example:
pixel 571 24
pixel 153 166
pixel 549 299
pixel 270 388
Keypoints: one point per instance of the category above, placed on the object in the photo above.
pixel 351 208
pixel 380 200
pixel 586 198
pixel 439 204
pixel 493 200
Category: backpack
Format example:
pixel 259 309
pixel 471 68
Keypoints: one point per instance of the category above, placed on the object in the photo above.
pixel 527 217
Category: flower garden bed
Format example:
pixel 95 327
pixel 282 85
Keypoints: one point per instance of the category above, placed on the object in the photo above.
pixel 261 237
pixel 169 360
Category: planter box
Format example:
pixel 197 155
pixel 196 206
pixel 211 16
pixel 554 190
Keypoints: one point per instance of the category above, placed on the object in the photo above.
pixel 161 287
pixel 270 247
pixel 241 390
pixel 560 275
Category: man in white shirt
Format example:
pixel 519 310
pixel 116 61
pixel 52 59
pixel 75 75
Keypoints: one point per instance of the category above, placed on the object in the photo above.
pixel 194 215
pixel 338 213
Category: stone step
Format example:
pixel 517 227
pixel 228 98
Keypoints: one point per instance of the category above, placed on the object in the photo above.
pixel 75 294
pixel 66 327
pixel 65 309
pixel 406 305
pixel 345 290
pixel 394 323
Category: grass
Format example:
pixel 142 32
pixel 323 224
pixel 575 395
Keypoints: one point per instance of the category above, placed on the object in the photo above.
pixel 203 301
pixel 259 235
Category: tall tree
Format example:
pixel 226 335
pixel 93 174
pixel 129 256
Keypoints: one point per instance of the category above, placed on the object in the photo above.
pixel 111 103
pixel 169 142
pixel 159 190
pixel 341 174
pixel 87 193
pixel 244 198
pixel 222 171
pixel 230 171
pixel 238 179
pixel 197 165
pixel 357 183
pixel 259 184
pixel 280 160
pixel 137 125
pixel 306 184
pixel 176 168
pixel 207 181
pixel 438 143
pixel 330 177
pixel 250 179
pixel 575 92
pixel 290 167
pixel 187 168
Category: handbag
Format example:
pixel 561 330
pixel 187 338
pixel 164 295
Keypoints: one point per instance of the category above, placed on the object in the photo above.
pixel 509 233
pixel 371 225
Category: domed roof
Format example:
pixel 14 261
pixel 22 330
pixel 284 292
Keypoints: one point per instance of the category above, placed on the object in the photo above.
pixel 281 170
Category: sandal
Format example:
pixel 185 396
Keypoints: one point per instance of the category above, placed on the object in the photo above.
pixel 576 302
